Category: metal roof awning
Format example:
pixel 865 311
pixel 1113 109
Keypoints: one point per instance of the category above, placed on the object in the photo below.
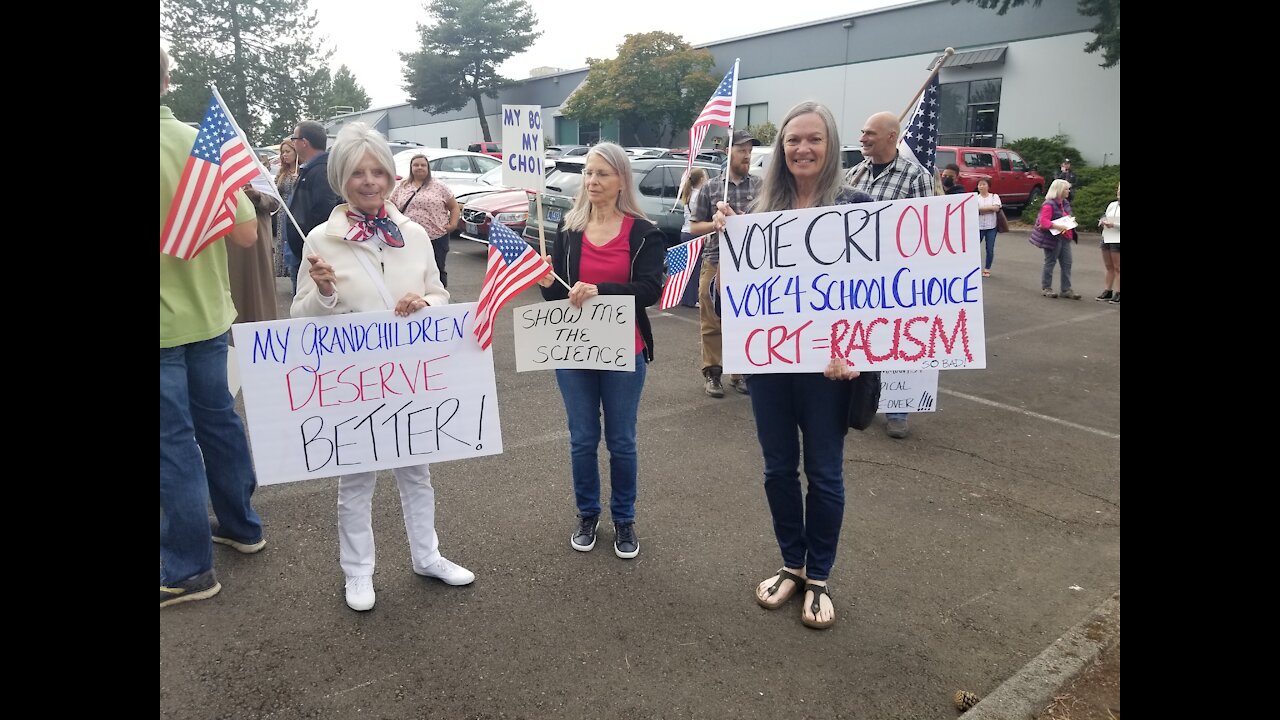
pixel 973 57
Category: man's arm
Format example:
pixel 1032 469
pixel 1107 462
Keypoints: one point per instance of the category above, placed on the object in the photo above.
pixel 700 217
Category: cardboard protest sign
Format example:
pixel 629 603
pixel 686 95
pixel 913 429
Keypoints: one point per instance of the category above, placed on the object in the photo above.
pixel 881 285
pixel 523 155
pixel 351 393
pixel 909 391
pixel 600 335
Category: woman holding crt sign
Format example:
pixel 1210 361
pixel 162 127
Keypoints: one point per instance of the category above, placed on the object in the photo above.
pixel 606 247
pixel 790 405
pixel 368 256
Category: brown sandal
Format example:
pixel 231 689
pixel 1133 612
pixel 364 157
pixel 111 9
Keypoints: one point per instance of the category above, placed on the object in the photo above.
pixel 797 583
pixel 816 606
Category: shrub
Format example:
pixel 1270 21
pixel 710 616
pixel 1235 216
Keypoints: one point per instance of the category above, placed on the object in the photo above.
pixel 1095 189
pixel 765 132
pixel 1046 154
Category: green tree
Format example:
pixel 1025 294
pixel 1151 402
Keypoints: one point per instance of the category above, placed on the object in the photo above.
pixel 765 132
pixel 260 53
pixel 347 92
pixel 461 53
pixel 657 81
pixel 1106 32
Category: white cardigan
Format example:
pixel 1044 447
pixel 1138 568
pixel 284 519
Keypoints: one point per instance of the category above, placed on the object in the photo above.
pixel 411 268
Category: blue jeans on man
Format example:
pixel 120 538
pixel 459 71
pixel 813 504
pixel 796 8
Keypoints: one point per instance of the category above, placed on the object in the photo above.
pixel 204 458
pixel 806 409
pixel 585 392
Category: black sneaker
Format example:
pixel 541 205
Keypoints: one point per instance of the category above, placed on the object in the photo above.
pixel 584 538
pixel 200 587
pixel 1115 299
pixel 1106 295
pixel 625 544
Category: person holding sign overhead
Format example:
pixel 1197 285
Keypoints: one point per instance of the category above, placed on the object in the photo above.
pixel 791 408
pixel 368 256
pixel 430 204
pixel 606 247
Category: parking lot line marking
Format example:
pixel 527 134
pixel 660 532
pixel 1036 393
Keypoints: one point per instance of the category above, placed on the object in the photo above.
pixel 681 318
pixel 1028 413
pixel 1046 326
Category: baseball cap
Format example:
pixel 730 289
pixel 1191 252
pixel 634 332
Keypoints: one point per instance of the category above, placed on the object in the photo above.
pixel 741 136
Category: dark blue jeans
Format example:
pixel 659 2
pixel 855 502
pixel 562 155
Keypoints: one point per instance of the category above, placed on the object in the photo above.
pixel 989 239
pixel 585 392
pixel 792 410
pixel 204 457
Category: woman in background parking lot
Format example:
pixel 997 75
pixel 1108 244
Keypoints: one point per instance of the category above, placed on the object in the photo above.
pixel 988 211
pixel 432 205
pixel 285 180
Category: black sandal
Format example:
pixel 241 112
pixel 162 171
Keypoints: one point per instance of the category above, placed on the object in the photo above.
pixel 783 575
pixel 815 607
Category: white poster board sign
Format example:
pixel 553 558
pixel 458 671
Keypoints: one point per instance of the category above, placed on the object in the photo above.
pixel 336 395
pixel 882 285
pixel 522 152
pixel 909 391
pixel 600 335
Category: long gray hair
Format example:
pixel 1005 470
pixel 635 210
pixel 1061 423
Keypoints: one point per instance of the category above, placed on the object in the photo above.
pixel 778 191
pixel 628 203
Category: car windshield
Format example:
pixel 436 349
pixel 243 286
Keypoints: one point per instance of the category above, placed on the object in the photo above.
pixel 492 177
pixel 565 183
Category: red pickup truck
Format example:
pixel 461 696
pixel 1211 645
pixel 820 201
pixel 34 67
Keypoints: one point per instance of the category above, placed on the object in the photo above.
pixel 492 149
pixel 1011 178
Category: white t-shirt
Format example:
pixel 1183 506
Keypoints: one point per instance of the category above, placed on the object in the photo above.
pixel 986 221
pixel 688 215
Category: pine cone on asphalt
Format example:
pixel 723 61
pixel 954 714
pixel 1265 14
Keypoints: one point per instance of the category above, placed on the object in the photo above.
pixel 964 700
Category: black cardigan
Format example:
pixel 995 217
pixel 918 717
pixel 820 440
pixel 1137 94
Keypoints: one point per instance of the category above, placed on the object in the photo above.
pixel 648 251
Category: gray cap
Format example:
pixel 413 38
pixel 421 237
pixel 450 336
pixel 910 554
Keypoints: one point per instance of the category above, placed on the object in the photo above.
pixel 741 136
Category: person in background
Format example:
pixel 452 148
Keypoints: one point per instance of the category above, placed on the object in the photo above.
pixel 607 247
pixel 885 174
pixel 688 198
pixel 399 263
pixel 743 187
pixel 1111 251
pixel 312 199
pixel 809 410
pixel 988 212
pixel 204 454
pixel 1057 206
pixel 286 177
pixel 430 204
pixel 1064 173
pixel 951 180
pixel 253 284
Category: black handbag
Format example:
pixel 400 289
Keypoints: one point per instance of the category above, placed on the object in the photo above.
pixel 864 400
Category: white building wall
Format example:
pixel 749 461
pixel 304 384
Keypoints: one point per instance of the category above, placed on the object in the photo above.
pixel 460 133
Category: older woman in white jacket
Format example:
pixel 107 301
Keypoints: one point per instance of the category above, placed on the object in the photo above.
pixel 368 256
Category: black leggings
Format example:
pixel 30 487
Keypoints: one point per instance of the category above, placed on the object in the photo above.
pixel 441 246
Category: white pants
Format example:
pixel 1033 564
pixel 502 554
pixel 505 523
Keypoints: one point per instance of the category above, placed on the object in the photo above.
pixel 355 519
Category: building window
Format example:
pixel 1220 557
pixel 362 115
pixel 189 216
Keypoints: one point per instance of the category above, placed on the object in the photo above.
pixel 746 116
pixel 970 113
pixel 588 133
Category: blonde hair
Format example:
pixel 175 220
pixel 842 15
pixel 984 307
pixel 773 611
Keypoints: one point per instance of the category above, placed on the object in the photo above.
pixel 628 203
pixel 286 143
pixel 778 192
pixel 353 143
pixel 1058 189
pixel 696 178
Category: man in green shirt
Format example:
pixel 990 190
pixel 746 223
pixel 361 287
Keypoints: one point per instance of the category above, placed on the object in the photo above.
pixel 204 456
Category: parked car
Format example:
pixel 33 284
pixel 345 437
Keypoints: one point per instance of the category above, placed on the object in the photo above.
pixel 509 207
pixel 657 185
pixel 486 147
pixel 554 151
pixel 1011 178
pixel 850 155
pixel 447 164
pixel 636 153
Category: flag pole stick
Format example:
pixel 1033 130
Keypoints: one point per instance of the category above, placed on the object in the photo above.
pixel 542 237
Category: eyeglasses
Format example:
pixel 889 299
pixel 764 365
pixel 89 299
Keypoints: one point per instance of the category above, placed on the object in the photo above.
pixel 296 138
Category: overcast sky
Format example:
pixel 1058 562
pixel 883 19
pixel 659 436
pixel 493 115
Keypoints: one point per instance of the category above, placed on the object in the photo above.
pixel 369 35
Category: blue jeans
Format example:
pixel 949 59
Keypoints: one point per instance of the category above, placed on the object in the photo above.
pixel 808 529
pixel 1061 255
pixel 584 392
pixel 204 457
pixel 293 263
pixel 989 239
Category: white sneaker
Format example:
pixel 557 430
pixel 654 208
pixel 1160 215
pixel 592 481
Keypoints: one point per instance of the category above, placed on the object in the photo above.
pixel 360 595
pixel 447 571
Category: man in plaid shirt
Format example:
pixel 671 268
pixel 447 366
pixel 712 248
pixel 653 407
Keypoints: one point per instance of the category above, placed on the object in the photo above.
pixel 886 174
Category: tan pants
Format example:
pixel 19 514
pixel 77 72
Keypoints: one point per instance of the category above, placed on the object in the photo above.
pixel 711 348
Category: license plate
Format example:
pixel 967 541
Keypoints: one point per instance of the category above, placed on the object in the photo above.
pixel 471 228
pixel 553 215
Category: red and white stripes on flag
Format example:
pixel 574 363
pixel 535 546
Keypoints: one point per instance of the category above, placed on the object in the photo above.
pixel 513 266
pixel 681 259
pixel 204 205
pixel 718 111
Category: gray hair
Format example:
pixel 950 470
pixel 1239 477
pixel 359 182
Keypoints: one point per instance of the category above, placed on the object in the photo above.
pixel 354 141
pixel 1058 189
pixel 628 203
pixel 778 192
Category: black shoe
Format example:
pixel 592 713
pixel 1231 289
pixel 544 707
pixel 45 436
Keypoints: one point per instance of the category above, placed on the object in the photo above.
pixel 625 544
pixel 584 538
pixel 1115 299
pixel 1106 295
pixel 199 587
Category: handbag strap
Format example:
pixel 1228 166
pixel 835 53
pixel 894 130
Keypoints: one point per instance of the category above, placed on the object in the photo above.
pixel 406 202
pixel 374 275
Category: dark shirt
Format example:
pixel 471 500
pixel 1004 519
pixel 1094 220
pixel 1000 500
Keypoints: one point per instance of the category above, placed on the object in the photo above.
pixel 312 200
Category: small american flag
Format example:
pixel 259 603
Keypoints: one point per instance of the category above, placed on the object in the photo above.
pixel 204 205
pixel 513 266
pixel 920 141
pixel 680 260
pixel 718 111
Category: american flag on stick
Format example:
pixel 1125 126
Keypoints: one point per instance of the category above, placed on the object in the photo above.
pixel 513 266
pixel 920 140
pixel 681 259
pixel 718 111
pixel 204 205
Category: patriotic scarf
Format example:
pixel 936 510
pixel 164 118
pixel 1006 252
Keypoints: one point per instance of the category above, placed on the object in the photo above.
pixel 379 226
